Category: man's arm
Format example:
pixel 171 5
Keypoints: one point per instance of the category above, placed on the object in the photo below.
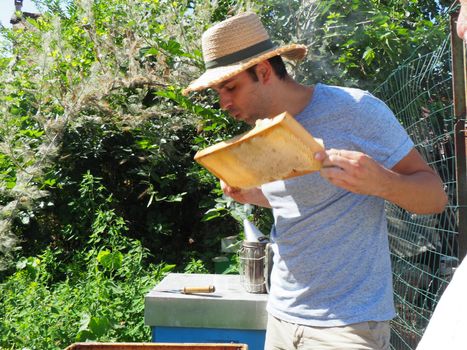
pixel 250 196
pixel 410 184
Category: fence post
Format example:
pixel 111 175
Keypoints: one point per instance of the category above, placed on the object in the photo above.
pixel 459 84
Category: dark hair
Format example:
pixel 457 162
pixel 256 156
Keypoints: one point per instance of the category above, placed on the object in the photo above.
pixel 277 65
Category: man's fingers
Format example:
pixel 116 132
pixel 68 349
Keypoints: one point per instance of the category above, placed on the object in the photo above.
pixel 335 173
pixel 229 190
pixel 342 159
pixel 320 156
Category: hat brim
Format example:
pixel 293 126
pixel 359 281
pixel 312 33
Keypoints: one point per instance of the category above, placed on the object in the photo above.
pixel 214 76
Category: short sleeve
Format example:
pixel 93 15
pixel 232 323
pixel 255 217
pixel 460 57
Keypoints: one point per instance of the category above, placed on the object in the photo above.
pixel 377 132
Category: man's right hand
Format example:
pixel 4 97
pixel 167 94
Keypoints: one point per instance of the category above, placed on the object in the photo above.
pixel 246 196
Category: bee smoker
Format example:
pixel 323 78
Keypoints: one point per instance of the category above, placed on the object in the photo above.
pixel 255 266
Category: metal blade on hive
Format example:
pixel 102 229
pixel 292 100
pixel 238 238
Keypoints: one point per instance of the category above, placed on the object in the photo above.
pixel 276 149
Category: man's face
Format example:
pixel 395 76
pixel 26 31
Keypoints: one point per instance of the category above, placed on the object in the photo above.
pixel 241 96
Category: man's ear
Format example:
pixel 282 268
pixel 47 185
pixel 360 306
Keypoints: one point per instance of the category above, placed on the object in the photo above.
pixel 264 71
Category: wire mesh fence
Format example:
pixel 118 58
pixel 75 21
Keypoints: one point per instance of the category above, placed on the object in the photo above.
pixel 424 248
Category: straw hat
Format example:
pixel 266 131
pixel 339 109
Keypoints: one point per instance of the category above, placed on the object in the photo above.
pixel 235 45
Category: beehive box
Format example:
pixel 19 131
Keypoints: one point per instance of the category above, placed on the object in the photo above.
pixel 155 346
pixel 275 149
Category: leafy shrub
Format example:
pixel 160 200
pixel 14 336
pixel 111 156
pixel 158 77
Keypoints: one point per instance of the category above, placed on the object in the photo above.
pixel 96 87
pixel 96 293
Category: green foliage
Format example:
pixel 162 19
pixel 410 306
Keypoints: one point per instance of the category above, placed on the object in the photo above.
pixel 96 306
pixel 95 86
pixel 378 37
pixel 360 42
pixel 195 266
pixel 97 295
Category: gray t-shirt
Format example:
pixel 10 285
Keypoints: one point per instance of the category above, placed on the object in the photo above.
pixel 331 255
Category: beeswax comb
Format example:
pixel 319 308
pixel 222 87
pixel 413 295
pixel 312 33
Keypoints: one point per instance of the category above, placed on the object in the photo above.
pixel 275 149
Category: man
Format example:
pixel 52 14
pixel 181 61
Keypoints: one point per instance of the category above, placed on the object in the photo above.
pixel 331 284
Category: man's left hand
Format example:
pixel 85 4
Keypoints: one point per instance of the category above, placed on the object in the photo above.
pixel 353 171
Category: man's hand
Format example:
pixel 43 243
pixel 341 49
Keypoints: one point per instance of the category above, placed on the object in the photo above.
pixel 246 196
pixel 353 171
pixel 410 184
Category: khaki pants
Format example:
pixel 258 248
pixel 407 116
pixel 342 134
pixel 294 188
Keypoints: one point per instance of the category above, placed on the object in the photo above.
pixel 281 335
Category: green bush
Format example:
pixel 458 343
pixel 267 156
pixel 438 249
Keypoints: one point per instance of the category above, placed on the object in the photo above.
pixel 94 293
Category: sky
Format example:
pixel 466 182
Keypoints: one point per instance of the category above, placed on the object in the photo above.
pixel 7 8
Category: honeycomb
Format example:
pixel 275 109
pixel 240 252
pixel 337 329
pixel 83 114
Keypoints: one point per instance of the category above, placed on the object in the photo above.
pixel 275 149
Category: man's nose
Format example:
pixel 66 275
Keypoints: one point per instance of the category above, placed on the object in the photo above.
pixel 225 102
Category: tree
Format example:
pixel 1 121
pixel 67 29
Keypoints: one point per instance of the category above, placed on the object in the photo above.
pixel 357 43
